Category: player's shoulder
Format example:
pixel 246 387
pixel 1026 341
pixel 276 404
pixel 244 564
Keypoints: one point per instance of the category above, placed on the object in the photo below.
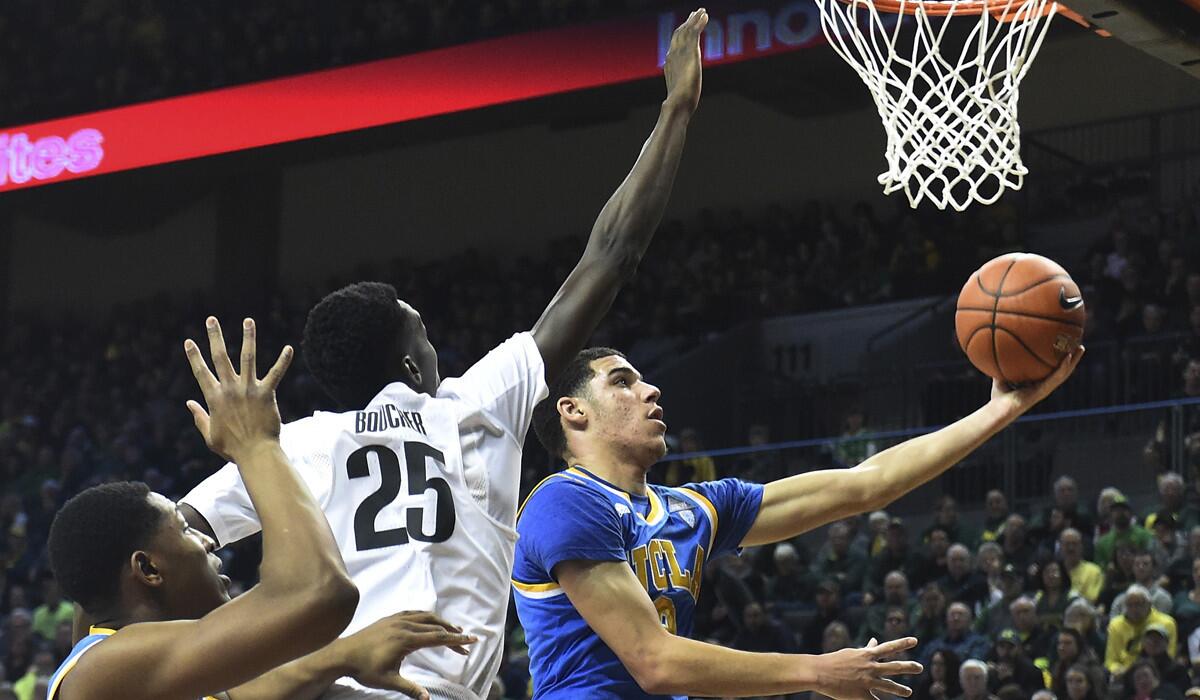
pixel 564 490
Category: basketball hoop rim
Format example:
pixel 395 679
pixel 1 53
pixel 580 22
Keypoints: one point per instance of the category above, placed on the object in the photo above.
pixel 1004 10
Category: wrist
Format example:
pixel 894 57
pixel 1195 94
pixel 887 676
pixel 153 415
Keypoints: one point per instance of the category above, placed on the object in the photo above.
pixel 257 451
pixel 807 671
pixel 677 108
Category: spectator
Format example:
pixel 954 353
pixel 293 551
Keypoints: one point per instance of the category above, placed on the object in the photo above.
pixel 1123 530
pixel 1009 665
pixel 1082 617
pixel 896 594
pixel 1125 631
pixel 929 621
pixel 844 564
pixel 853 447
pixel 877 525
pixel 1086 577
pixel 958 636
pixel 53 610
pixel 1072 651
pixel 989 562
pixel 997 616
pixel 1186 606
pixel 1148 686
pixel 948 520
pixel 693 469
pixel 762 633
pixel 995 512
pixel 1066 499
pixel 836 637
pixel 43 666
pixel 1180 571
pixel 1146 576
pixel 1036 637
pixel 895 624
pixel 961 583
pixel 973 676
pixel 933 562
pixel 1119 574
pixel 940 679
pixel 1171 494
pixel 1168 544
pixel 828 610
pixel 1015 543
pixel 895 556
pixel 765 466
pixel 791 587
pixel 1154 650
pixel 1055 592
pixel 1079 685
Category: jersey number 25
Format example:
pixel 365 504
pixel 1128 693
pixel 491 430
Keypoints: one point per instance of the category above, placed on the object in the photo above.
pixel 415 453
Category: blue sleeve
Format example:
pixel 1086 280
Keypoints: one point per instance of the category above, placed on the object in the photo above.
pixel 737 503
pixel 564 521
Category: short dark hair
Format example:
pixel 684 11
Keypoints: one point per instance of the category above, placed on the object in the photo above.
pixel 94 534
pixel 572 381
pixel 348 339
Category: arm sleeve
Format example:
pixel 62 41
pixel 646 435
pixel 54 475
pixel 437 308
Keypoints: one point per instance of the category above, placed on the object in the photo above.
pixel 507 383
pixel 224 502
pixel 564 521
pixel 736 503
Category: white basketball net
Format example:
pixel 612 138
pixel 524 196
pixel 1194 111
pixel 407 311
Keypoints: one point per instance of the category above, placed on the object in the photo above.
pixel 951 121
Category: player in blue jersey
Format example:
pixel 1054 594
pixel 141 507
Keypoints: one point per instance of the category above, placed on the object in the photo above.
pixel 608 568
pixel 165 628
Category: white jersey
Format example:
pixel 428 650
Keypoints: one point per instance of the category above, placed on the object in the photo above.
pixel 421 493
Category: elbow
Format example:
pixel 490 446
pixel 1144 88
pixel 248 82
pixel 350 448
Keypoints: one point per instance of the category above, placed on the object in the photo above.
pixel 651 672
pixel 332 601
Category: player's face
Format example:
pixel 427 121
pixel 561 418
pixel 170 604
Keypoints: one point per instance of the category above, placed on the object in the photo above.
pixel 192 582
pixel 626 410
pixel 421 350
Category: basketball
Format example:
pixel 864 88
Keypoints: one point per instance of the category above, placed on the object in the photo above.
pixel 1018 316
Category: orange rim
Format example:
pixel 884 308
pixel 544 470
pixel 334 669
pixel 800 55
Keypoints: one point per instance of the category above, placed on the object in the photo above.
pixel 1003 10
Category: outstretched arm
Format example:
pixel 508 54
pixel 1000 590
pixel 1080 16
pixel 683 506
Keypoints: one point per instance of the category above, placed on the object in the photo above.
pixel 625 226
pixel 803 502
pixel 609 597
pixel 305 597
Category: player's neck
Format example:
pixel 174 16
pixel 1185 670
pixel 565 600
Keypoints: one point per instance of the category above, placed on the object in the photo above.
pixel 628 476
pixel 129 615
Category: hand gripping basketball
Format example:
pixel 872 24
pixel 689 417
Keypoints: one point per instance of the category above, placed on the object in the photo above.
pixel 242 414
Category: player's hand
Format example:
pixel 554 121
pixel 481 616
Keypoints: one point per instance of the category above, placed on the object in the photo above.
pixel 1024 398
pixel 242 414
pixel 856 674
pixel 373 656
pixel 682 68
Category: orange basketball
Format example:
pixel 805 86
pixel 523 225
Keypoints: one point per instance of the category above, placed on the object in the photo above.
pixel 1018 316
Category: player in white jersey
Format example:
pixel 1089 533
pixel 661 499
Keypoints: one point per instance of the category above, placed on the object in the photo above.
pixel 418 478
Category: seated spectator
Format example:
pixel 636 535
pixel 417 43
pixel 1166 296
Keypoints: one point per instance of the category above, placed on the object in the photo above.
pixel 877 525
pixel 692 469
pixel 895 625
pixel 1168 544
pixel 932 566
pixel 1071 651
pixel 1082 617
pixel 791 588
pixel 762 633
pixel 1148 686
pixel 1079 685
pixel 43 666
pixel 765 466
pixel 1185 608
pixel 961 583
pixel 947 519
pixel 1124 529
pixel 1104 514
pixel 1119 574
pixel 973 677
pixel 1179 571
pixel 929 621
pixel 940 679
pixel 1009 665
pixel 1066 499
pixel 958 636
pixel 1015 543
pixel 989 562
pixel 1154 650
pixel 836 637
pixel 997 616
pixel 1054 594
pixel 842 563
pixel 1146 575
pixel 1172 500
pixel 895 595
pixel 1043 538
pixel 1086 577
pixel 896 555
pixel 853 447
pixel 52 611
pixel 1036 638
pixel 1044 694
pixel 1125 631
pixel 829 609
pixel 995 512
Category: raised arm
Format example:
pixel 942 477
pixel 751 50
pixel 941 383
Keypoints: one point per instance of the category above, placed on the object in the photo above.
pixel 625 226
pixel 803 502
pixel 305 598
pixel 609 597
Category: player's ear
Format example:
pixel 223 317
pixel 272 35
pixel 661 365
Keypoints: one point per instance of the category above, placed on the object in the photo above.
pixel 144 569
pixel 572 411
pixel 413 371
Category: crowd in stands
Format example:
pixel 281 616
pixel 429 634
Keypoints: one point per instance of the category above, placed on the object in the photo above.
pixel 88 399
pixel 137 51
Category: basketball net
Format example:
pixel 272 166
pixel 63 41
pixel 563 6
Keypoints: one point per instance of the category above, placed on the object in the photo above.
pixel 950 120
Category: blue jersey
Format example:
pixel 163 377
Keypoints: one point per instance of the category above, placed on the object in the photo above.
pixel 98 634
pixel 666 537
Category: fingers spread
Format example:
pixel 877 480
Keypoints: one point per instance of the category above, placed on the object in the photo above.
pixel 890 686
pixel 280 368
pixel 900 668
pixel 395 681
pixel 200 417
pixel 893 647
pixel 200 370
pixel 249 345
pixel 220 355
